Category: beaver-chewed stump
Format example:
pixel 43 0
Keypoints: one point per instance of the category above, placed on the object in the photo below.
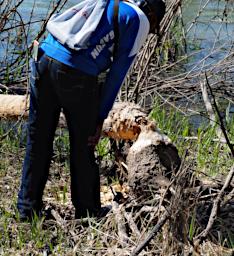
pixel 151 163
pixel 152 159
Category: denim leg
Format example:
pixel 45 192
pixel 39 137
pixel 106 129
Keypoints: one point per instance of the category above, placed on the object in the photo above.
pixel 43 118
pixel 85 181
pixel 80 105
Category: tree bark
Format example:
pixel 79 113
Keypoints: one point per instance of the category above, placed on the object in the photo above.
pixel 153 158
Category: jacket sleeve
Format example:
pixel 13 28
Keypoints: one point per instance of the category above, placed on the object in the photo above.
pixel 133 34
pixel 114 79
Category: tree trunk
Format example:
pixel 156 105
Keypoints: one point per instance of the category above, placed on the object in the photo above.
pixel 153 158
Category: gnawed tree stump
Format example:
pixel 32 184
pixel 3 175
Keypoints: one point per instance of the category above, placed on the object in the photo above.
pixel 152 154
pixel 150 166
pixel 152 158
pixel 125 121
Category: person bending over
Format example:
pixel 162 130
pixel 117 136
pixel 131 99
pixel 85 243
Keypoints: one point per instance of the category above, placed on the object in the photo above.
pixel 82 42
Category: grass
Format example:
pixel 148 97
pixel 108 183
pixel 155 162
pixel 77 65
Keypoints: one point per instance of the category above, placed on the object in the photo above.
pixel 208 153
pixel 48 237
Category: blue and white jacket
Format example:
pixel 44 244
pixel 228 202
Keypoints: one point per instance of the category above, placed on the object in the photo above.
pixel 97 57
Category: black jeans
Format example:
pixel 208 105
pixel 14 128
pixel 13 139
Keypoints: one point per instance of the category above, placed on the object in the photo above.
pixel 55 86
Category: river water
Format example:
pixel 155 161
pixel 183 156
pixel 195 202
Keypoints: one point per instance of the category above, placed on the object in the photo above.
pixel 208 33
pixel 205 33
pixel 212 36
pixel 213 32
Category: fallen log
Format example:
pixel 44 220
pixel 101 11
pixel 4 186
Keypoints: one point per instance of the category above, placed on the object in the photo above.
pixel 151 155
pixel 13 106
pixel 122 123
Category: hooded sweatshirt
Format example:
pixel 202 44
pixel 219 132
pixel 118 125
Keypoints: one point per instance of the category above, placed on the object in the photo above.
pixel 94 53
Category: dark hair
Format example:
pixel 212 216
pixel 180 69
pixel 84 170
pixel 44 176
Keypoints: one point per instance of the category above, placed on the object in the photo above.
pixel 157 7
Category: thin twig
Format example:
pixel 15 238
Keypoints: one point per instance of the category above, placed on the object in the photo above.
pixel 132 224
pixel 199 238
pixel 152 234
pixel 120 224
pixel 222 126
pixel 208 104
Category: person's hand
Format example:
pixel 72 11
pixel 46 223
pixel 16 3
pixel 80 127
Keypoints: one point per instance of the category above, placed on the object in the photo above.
pixel 93 139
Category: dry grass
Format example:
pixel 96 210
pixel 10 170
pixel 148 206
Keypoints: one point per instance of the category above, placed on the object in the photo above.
pixel 188 199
